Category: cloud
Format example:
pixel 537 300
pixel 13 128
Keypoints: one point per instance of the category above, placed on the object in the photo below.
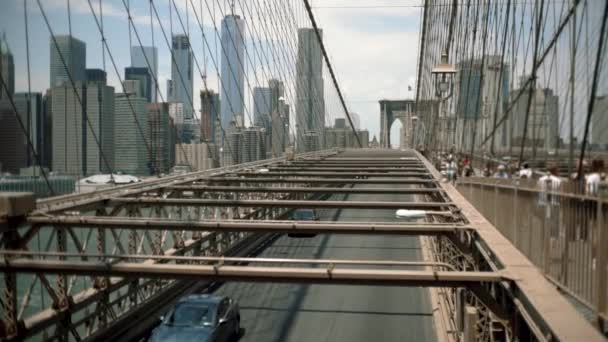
pixel 374 56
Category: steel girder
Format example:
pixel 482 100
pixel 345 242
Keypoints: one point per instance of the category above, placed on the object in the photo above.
pixel 343 174
pixel 317 180
pixel 277 203
pixel 371 228
pixel 281 189
pixel 219 272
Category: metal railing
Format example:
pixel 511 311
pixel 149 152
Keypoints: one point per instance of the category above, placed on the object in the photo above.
pixel 562 232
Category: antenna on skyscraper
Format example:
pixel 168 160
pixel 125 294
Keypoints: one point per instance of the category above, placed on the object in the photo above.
pixel 232 7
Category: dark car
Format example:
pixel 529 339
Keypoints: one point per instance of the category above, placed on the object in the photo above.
pixel 200 318
pixel 303 215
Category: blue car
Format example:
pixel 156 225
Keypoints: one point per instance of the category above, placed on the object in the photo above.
pixel 200 318
pixel 303 215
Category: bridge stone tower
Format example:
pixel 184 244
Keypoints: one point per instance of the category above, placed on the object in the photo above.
pixel 391 110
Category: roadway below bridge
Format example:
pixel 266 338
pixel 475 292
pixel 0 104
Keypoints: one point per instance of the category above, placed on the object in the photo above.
pixel 292 312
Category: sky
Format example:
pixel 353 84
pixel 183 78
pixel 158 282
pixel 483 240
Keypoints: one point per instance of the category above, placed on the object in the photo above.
pixel 373 50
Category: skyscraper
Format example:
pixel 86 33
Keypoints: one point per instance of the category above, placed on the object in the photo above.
pixel 310 102
pixel 160 129
pixel 543 120
pixel 132 134
pixel 100 128
pixel 7 69
pixel 29 107
pixel 145 80
pixel 68 57
pixel 11 159
pixel 210 109
pixel 67 129
pixel 261 105
pixel 147 57
pixel 599 123
pixel 277 90
pixel 252 147
pixel 179 88
pixel 232 73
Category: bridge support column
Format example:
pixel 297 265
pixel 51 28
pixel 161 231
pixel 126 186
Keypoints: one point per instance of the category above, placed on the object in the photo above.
pixel 14 206
pixel 470 324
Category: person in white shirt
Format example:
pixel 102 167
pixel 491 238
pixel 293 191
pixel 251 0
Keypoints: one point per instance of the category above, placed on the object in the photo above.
pixel 593 180
pixel 549 185
pixel 526 171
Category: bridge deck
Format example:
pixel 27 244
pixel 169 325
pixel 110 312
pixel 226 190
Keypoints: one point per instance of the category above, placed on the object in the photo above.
pixel 291 312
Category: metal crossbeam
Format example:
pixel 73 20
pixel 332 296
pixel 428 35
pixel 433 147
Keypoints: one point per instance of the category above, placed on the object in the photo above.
pixel 330 275
pixel 324 190
pixel 318 180
pixel 252 226
pixel 331 174
pixel 226 259
pixel 277 203
pixel 346 168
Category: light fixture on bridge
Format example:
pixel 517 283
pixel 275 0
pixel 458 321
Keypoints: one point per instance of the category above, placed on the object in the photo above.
pixel 443 74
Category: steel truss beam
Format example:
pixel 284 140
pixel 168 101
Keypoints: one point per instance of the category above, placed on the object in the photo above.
pixel 330 174
pixel 346 168
pixel 324 190
pixel 221 260
pixel 355 164
pixel 277 203
pixel 316 180
pixel 251 226
pixel 329 275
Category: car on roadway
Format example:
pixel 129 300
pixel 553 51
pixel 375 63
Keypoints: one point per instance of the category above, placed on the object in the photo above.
pixel 303 215
pixel 200 317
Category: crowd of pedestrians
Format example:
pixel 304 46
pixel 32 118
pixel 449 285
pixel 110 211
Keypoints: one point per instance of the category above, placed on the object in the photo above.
pixel 454 166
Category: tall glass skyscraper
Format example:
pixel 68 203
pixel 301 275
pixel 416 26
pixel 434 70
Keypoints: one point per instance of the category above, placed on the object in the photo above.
pixel 232 73
pixel 68 57
pixel 140 57
pixel 7 69
pixel 310 102
pixel 179 88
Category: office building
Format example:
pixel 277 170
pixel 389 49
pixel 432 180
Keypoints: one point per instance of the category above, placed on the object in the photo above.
pixel 96 75
pixel 261 105
pixel 199 156
pixel 543 119
pixel 482 92
pixel 599 124
pixel 145 81
pixel 210 110
pixel 233 145
pixel 252 147
pixel 82 128
pixel 345 138
pixel 356 120
pixel 46 153
pixel 100 127
pixel 147 57
pixel 278 117
pixel 232 73
pixel 14 158
pixel 310 103
pixel 179 88
pixel 340 123
pixel 162 149
pixel 7 69
pixel 29 107
pixel 68 58
pixel 131 130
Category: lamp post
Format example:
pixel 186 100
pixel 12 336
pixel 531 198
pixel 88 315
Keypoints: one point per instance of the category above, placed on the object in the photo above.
pixel 443 78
